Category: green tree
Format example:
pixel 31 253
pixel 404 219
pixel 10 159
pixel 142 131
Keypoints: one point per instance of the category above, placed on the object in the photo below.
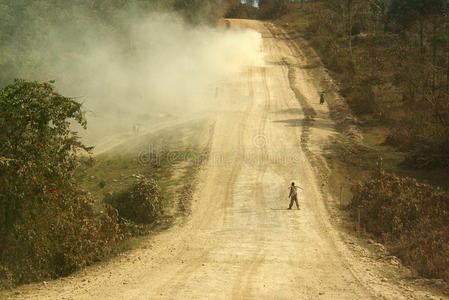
pixel 47 223
pixel 37 141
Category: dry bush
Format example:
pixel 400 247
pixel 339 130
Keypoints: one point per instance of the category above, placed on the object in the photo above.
pixel 425 141
pixel 185 197
pixel 410 217
pixel 270 9
pixel 141 204
pixel 431 154
pixel 56 237
pixel 361 99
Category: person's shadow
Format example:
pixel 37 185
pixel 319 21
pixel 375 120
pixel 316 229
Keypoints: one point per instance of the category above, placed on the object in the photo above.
pixel 284 209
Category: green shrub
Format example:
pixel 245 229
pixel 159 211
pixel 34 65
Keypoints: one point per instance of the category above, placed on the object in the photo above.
pixel 47 224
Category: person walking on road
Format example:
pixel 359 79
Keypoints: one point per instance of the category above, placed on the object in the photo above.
pixel 322 98
pixel 293 195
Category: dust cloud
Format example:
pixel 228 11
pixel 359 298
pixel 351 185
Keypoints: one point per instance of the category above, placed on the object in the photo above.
pixel 158 67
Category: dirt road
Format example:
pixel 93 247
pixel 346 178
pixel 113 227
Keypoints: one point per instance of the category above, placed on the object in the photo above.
pixel 240 241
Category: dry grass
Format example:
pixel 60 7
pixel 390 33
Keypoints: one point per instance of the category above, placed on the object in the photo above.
pixel 410 218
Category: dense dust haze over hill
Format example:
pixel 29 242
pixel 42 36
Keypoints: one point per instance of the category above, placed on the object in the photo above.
pixel 156 66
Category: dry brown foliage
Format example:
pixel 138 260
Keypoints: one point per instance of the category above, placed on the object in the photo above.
pixel 141 204
pixel 389 71
pixel 411 218
pixel 55 238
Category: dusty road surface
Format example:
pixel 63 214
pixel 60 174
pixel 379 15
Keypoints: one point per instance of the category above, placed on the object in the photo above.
pixel 240 241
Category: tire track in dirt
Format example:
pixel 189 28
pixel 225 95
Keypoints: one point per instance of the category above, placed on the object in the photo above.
pixel 242 283
pixel 307 124
pixel 236 165
pixel 187 270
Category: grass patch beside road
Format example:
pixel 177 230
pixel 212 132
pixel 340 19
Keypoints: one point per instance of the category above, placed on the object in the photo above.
pixel 348 163
pixel 172 157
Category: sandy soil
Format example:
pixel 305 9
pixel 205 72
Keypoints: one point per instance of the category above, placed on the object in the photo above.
pixel 240 241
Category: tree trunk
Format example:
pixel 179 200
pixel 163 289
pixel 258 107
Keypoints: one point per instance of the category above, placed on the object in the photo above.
pixel 349 9
pixel 434 54
pixel 447 70
pixel 421 35
pixel 447 56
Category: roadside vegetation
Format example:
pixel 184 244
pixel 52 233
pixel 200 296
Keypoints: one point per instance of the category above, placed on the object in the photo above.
pixel 48 226
pixel 391 62
pixel 60 207
pixel 410 218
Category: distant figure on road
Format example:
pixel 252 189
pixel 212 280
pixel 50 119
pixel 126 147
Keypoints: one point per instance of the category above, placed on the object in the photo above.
pixel 136 128
pixel 322 98
pixel 293 195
